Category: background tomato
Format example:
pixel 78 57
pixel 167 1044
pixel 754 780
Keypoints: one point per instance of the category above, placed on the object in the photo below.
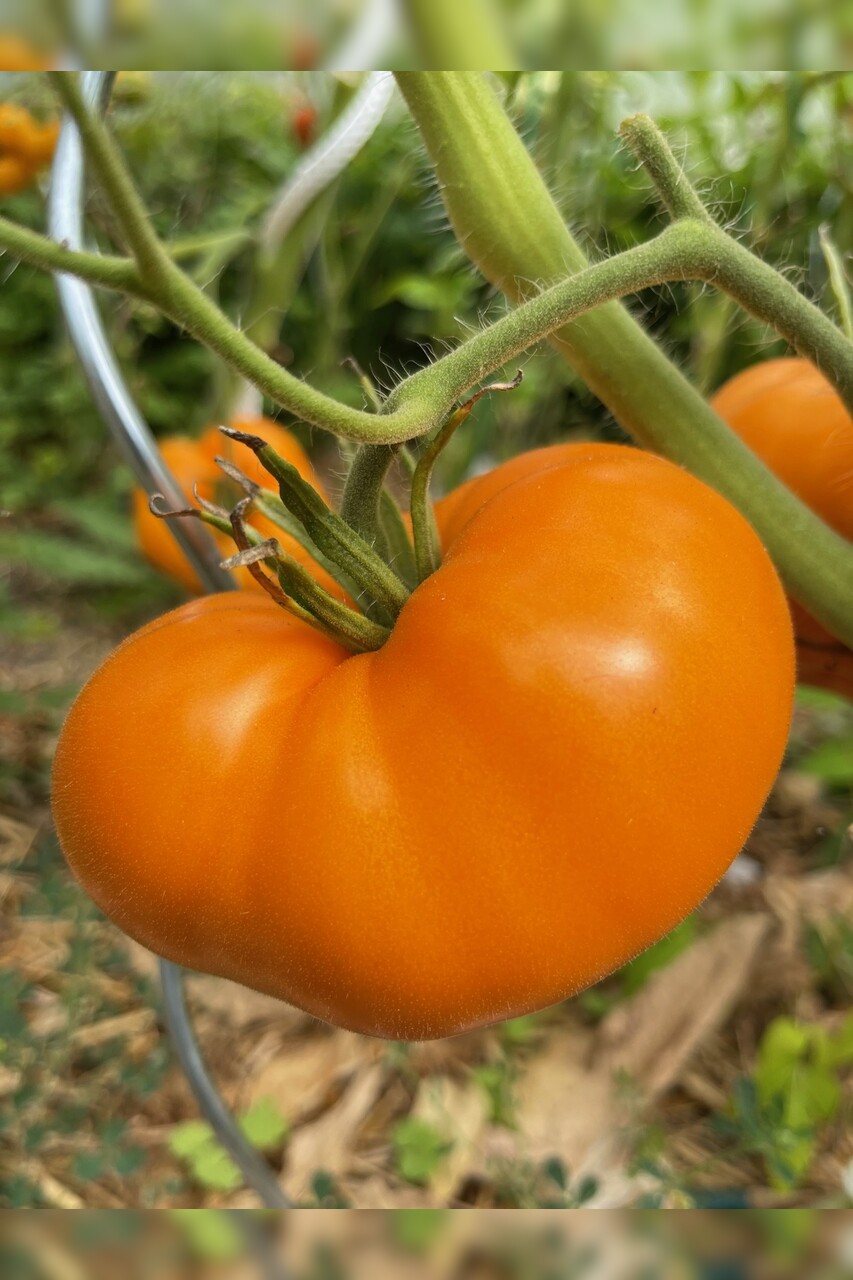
pixel 564 742
pixel 793 418
pixel 25 146
pixel 191 461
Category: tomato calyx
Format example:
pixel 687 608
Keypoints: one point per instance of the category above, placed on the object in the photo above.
pixel 296 587
pixel 385 592
pixel 380 585
pixel 293 587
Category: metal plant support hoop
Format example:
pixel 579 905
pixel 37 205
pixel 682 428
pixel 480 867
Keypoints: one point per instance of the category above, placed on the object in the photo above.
pixel 139 448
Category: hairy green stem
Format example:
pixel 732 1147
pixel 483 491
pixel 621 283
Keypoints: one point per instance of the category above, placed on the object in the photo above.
pixel 363 492
pixel 108 162
pixel 460 33
pixel 40 251
pixel 838 281
pixel 678 194
pixel 424 528
pixel 509 226
pixel 425 533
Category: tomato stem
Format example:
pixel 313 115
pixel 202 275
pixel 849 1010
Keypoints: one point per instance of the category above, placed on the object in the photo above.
pixel 363 491
pixel 839 283
pixel 371 395
pixel 470 34
pixel 424 528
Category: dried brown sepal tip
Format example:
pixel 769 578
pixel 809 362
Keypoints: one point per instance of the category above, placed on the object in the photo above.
pixel 255 443
pixel 252 555
pixel 239 477
pixel 212 508
pixel 155 510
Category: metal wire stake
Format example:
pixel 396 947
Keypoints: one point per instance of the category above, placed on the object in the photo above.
pixel 129 430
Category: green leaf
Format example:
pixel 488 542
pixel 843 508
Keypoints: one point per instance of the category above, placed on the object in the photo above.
pixel 112 1130
pixel 128 1161
pixel 587 1188
pixel 88 1165
pixel 555 1171
pixel 832 762
pixel 784 1045
pixel 418 1149
pixel 68 562
pixel 264 1125
pixel 839 1047
pixel 214 1168
pixel 814 1098
pixel 417 1229
pixel 519 1031
pixel 211 1233
pixel 187 1139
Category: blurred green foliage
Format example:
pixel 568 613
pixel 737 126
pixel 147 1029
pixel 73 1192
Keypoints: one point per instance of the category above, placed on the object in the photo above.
pixel 794 1090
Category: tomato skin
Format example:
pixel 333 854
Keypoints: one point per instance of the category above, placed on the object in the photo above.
pixel 789 414
pixel 191 461
pixel 565 741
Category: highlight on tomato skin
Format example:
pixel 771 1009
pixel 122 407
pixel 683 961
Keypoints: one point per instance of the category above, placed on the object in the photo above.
pixel 792 417
pixel 487 814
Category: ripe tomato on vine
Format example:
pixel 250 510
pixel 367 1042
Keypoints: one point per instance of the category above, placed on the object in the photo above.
pixel 553 757
pixel 794 419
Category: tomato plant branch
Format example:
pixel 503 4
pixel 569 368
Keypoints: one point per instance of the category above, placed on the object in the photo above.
pixel 816 563
pixel 183 301
pixel 620 362
pixel 364 487
pixel 153 260
pixel 424 528
pixel 467 34
pixel 508 224
pixel 732 268
pixel 646 141
pixel 104 270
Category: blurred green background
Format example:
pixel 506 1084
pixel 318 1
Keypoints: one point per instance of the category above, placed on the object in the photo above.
pixel 375 272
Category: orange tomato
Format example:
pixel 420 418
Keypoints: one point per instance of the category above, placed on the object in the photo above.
pixel 17 54
pixel 564 742
pixel 15 175
pixel 191 461
pixel 25 147
pixel 793 418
